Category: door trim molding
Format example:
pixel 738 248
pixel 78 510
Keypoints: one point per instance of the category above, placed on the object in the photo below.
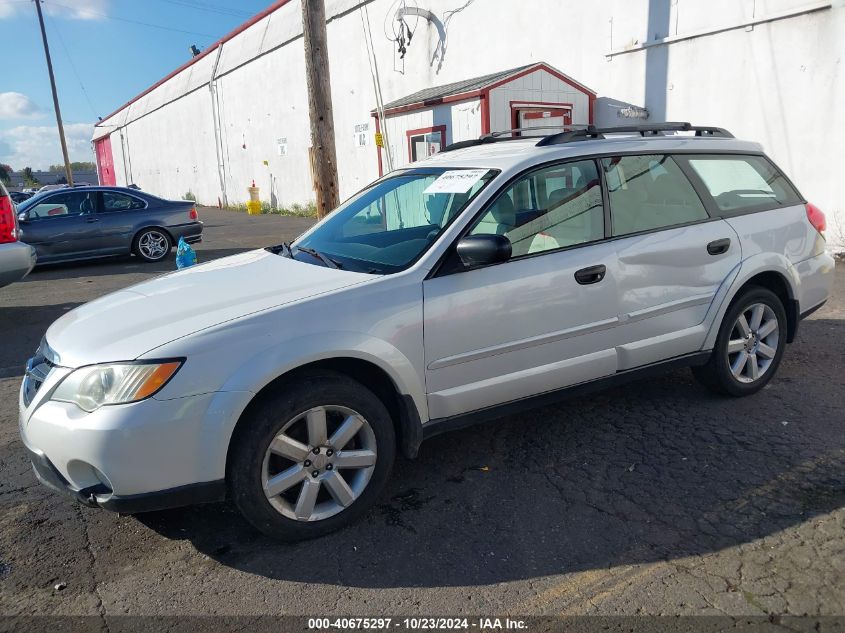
pixel 533 341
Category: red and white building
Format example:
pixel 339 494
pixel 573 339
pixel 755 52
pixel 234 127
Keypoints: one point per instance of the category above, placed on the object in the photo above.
pixel 532 96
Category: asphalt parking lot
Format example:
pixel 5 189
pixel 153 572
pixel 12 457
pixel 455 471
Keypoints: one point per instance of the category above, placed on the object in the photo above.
pixel 653 498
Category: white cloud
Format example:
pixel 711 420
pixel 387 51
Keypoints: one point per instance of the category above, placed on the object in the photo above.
pixel 14 105
pixel 70 9
pixel 38 146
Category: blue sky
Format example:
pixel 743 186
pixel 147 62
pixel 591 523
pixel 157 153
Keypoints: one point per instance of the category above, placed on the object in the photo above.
pixel 98 44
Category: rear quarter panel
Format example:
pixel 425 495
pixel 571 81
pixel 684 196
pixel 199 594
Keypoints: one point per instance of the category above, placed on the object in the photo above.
pixel 781 241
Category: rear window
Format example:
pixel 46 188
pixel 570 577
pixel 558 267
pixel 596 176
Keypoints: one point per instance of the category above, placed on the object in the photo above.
pixel 743 183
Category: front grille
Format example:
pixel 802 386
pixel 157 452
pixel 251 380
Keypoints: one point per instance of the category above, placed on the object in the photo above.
pixel 37 370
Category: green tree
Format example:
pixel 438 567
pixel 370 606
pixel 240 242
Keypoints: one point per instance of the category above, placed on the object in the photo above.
pixel 75 166
pixel 29 178
pixel 6 174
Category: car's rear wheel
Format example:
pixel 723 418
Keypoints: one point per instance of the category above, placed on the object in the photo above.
pixel 749 346
pixel 152 245
pixel 312 458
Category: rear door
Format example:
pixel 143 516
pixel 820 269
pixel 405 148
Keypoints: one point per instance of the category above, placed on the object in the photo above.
pixel 672 257
pixel 541 320
pixel 117 217
pixel 63 225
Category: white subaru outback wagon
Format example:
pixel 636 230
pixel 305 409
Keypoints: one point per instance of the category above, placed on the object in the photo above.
pixel 498 274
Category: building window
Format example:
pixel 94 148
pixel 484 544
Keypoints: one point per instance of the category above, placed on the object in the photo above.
pixel 424 142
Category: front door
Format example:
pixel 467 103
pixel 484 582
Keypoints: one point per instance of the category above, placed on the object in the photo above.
pixel 63 225
pixel 545 319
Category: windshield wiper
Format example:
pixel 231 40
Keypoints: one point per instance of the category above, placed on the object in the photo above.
pixel 282 249
pixel 328 261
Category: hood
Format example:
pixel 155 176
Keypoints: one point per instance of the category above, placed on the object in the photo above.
pixel 126 324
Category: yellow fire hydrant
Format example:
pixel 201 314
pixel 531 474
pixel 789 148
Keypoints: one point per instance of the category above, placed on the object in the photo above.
pixel 253 205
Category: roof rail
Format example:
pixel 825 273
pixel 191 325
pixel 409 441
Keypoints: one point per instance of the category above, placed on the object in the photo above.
pixel 655 129
pixel 500 135
pixel 564 126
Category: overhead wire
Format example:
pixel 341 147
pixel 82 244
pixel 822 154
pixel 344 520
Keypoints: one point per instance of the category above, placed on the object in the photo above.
pixel 138 22
pixel 373 63
pixel 55 27
pixel 210 8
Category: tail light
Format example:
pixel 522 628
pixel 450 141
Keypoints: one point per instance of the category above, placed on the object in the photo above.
pixel 193 214
pixel 816 218
pixel 8 221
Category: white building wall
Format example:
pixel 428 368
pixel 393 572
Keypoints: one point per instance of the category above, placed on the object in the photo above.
pixel 718 62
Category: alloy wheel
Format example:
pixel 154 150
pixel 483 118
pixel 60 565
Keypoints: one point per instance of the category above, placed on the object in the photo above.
pixel 319 463
pixel 153 245
pixel 753 342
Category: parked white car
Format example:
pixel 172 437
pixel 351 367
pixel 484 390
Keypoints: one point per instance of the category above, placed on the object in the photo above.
pixel 493 276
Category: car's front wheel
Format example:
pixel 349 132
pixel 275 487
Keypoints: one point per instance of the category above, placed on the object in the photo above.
pixel 152 245
pixel 749 346
pixel 312 458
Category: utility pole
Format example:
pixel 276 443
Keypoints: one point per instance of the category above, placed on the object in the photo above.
pixel 323 154
pixel 68 172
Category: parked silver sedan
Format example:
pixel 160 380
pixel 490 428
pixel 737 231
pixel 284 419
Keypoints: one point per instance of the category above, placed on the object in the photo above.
pixel 89 222
pixel 16 258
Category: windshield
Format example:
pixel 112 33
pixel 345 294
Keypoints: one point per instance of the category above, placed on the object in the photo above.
pixel 386 227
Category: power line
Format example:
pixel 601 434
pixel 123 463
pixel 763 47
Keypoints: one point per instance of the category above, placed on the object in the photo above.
pixel 119 19
pixel 210 8
pixel 55 27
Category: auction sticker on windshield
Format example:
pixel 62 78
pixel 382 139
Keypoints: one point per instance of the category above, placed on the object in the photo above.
pixel 455 181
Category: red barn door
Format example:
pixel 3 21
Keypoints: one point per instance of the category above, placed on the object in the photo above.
pixel 105 162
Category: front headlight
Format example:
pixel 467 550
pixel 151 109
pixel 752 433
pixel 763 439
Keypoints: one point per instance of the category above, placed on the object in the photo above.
pixel 118 383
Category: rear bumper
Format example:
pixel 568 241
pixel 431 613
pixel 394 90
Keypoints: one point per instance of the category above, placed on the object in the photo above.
pixel 16 260
pixel 99 496
pixel 191 232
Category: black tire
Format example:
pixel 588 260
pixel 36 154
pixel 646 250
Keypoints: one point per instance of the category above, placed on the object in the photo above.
pixel 152 233
pixel 255 433
pixel 717 374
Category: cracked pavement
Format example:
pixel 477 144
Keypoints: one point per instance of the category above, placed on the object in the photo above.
pixel 653 498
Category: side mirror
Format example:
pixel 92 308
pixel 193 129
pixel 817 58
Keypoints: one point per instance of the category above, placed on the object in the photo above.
pixel 23 216
pixel 481 250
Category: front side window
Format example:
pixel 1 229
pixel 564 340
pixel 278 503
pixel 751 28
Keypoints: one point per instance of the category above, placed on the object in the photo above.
pixel 62 205
pixel 547 209
pixel 387 227
pixel 120 202
pixel 649 192
pixel 740 183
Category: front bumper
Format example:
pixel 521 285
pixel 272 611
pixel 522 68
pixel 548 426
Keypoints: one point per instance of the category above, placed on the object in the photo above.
pixel 136 457
pixel 100 496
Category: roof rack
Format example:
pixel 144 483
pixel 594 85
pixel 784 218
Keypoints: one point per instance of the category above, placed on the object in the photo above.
pixel 564 127
pixel 573 133
pixel 500 135
pixel 657 129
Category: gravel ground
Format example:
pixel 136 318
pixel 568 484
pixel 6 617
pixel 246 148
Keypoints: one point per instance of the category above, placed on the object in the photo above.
pixel 654 498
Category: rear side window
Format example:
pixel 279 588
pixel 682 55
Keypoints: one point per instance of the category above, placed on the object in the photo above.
pixel 743 183
pixel 120 202
pixel 649 192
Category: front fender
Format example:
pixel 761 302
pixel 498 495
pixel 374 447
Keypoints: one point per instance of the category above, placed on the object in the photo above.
pixel 261 369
